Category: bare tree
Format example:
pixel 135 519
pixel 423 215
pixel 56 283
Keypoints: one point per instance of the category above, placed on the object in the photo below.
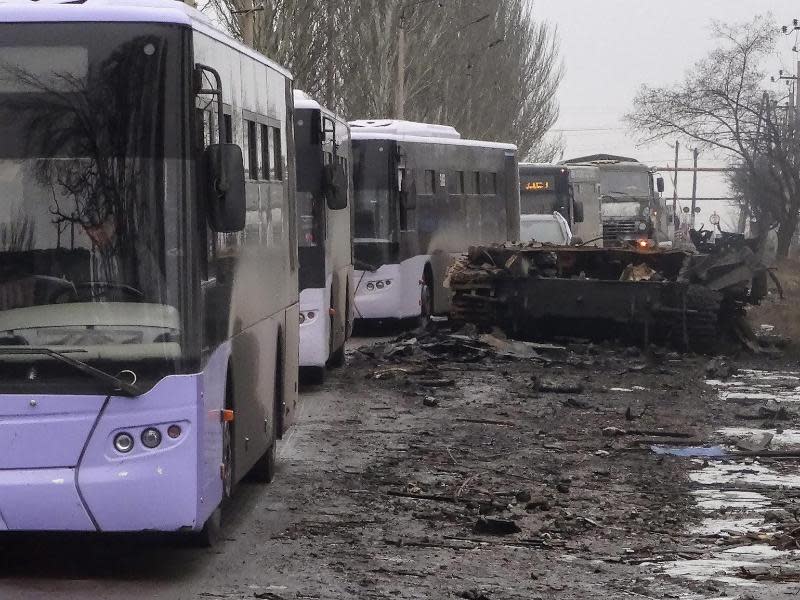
pixel 484 66
pixel 722 105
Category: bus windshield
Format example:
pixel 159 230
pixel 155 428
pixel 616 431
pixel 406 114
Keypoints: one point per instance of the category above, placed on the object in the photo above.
pixel 373 193
pixel 88 232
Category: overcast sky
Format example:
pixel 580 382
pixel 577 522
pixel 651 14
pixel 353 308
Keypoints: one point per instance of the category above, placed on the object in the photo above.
pixel 612 47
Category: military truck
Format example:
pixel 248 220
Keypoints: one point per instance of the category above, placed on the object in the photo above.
pixel 632 209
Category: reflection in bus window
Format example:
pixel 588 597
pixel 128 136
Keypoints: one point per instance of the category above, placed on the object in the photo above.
pixel 86 142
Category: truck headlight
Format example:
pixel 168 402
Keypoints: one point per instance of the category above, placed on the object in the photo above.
pixel 642 226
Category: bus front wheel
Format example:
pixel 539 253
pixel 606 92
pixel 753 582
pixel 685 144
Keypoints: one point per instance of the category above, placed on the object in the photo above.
pixel 425 300
pixel 264 470
pixel 210 534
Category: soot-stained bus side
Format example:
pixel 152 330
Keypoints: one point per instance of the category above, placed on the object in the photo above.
pixel 148 294
pixel 324 199
pixel 423 195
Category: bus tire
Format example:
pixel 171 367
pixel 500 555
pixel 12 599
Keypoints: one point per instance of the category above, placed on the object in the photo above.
pixel 312 375
pixel 228 455
pixel 337 358
pixel 211 532
pixel 426 298
pixel 264 469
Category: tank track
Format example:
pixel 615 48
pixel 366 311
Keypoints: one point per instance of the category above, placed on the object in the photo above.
pixel 702 321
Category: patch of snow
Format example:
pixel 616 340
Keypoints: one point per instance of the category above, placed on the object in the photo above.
pixel 788 438
pixel 721 526
pixel 737 473
pixel 715 499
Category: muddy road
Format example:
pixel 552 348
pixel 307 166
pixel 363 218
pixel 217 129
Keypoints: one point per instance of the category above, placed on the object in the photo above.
pixel 459 466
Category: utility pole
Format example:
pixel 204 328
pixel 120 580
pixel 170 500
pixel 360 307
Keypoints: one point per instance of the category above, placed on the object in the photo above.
pixel 400 89
pixel 675 183
pixel 246 16
pixel 695 152
pixel 330 91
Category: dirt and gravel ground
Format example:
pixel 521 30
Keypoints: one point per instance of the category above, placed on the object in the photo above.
pixel 460 467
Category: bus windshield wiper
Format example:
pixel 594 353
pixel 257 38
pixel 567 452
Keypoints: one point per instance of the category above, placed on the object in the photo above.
pixel 117 384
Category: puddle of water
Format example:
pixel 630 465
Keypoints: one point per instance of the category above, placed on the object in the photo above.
pixel 690 451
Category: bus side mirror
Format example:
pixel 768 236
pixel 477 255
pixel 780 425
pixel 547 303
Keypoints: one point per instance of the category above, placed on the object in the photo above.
pixel 578 209
pixel 335 187
pixel 660 185
pixel 225 191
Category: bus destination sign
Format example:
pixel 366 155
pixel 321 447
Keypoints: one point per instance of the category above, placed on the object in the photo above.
pixel 532 185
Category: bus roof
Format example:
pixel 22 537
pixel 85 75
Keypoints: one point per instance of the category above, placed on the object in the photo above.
pixel 304 101
pixel 416 133
pixel 541 168
pixel 123 11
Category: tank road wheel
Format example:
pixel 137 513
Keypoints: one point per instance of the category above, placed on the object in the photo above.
pixel 702 325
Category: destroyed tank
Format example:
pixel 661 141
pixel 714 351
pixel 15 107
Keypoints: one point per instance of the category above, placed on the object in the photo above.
pixel 686 299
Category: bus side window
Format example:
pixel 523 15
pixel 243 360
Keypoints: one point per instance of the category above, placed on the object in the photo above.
pixel 475 183
pixel 491 184
pixel 228 128
pixel 251 143
pixel 277 153
pixel 458 182
pixel 429 182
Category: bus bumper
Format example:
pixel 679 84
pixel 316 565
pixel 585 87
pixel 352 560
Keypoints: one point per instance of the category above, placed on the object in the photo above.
pixel 174 486
pixel 391 292
pixel 314 332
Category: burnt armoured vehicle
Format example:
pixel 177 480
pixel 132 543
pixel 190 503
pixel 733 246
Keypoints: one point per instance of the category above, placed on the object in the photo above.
pixel 684 299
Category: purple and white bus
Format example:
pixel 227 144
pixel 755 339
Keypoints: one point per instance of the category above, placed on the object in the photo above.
pixel 148 266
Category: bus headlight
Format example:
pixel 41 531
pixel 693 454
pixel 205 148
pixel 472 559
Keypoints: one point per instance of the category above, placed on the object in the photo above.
pixel 379 285
pixel 370 286
pixel 123 442
pixel 151 437
pixel 307 316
